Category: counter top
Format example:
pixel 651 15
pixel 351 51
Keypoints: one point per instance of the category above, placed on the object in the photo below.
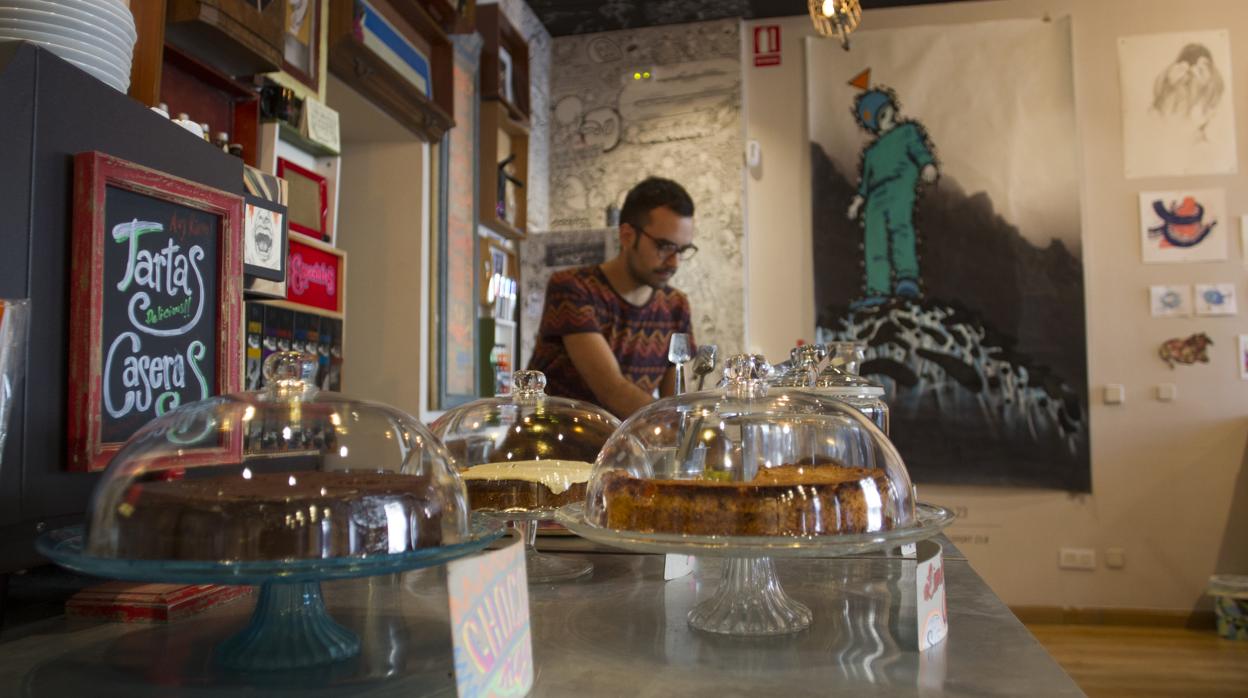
pixel 621 631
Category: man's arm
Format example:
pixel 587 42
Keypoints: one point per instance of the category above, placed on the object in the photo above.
pixel 594 360
pixel 667 386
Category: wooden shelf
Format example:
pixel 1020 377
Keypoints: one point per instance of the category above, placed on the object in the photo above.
pixel 428 116
pixel 237 37
pixel 498 32
pixel 499 135
pixel 204 93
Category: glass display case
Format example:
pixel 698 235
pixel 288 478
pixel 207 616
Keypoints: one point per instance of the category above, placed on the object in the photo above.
pixel 282 487
pixel 524 455
pixel 751 471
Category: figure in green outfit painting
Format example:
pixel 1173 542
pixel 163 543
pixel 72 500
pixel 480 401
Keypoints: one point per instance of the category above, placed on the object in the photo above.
pixel 891 170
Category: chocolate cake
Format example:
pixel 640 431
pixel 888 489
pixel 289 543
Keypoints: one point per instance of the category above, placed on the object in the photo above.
pixel 533 485
pixel 787 500
pixel 275 516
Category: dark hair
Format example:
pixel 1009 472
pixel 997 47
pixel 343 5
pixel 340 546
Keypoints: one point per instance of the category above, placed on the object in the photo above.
pixel 650 194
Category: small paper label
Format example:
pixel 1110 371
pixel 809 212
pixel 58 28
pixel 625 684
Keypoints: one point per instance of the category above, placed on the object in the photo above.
pixel 320 124
pixel 490 624
pixel 909 549
pixel 676 566
pixel 933 615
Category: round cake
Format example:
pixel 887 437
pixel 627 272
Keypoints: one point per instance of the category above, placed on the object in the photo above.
pixel 531 485
pixel 785 500
pixel 275 516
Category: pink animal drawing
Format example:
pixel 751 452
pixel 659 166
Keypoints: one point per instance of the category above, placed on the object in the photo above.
pixel 1186 351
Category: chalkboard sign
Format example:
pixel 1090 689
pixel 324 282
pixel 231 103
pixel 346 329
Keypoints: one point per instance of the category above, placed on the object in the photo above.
pixel 156 303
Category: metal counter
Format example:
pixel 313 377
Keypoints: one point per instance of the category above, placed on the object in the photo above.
pixel 619 632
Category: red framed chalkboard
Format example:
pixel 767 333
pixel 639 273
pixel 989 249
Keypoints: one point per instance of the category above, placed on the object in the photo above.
pixel 155 302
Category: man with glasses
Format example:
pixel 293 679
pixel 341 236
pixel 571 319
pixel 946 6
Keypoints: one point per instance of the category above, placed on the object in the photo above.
pixel 606 327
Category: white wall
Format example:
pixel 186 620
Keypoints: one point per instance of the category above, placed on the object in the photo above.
pixel 382 227
pixel 1169 480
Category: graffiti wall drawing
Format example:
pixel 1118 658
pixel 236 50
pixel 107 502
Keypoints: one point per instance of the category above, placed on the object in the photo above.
pixel 1183 226
pixel 660 101
pixel 1177 112
pixel 958 266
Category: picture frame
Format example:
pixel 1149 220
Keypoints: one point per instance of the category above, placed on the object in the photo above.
pixel 307 205
pixel 185 314
pixel 301 42
pixel 265 238
pixel 388 43
pixel 506 86
pixel 1243 357
pixel 494 267
pixel 316 276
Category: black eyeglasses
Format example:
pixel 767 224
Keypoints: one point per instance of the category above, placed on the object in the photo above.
pixel 667 248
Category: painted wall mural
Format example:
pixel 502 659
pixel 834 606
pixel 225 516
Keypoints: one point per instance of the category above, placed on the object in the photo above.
pixel 664 101
pixel 960 268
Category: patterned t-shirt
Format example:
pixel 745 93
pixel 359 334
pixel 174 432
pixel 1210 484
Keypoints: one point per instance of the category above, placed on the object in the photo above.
pixel 582 300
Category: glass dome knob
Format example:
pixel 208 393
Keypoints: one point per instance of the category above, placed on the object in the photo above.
pixel 744 369
pixel 528 384
pixel 290 370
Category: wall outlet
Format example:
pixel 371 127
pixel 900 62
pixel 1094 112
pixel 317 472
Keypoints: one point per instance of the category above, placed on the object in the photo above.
pixel 1114 394
pixel 1076 559
pixel 1115 558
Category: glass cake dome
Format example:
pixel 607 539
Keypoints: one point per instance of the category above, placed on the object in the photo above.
pixel 284 473
pixel 525 454
pixel 750 460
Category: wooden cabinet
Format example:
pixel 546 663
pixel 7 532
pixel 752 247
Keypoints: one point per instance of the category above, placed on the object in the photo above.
pixel 504 152
pixel 398 56
pixel 236 36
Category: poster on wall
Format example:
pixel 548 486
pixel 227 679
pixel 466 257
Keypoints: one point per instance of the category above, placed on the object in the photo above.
pixel 1170 301
pixel 951 245
pixel 1216 299
pixel 1183 226
pixel 1177 112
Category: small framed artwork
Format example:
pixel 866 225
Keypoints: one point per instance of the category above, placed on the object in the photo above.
pixel 155 304
pixel 264 238
pixel 301 44
pixel 1170 301
pixel 388 43
pixel 316 276
pixel 1184 226
pixel 1215 299
pixel 505 84
pixel 494 270
pixel 1243 357
pixel 307 200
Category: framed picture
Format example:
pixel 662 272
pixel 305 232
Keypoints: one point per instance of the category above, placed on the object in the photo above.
pixel 494 269
pixel 383 39
pixel 505 84
pixel 1243 357
pixel 301 46
pixel 316 276
pixel 264 238
pixel 1215 299
pixel 307 200
pixel 156 301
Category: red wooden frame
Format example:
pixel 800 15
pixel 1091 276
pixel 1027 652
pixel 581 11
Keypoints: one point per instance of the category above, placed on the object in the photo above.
pixel 93 172
pixel 323 234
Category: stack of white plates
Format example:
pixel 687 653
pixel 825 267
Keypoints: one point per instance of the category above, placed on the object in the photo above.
pixel 95 35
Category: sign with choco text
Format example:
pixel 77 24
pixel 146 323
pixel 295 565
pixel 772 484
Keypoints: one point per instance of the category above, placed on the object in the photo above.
pixel 314 274
pixel 156 300
pixel 490 634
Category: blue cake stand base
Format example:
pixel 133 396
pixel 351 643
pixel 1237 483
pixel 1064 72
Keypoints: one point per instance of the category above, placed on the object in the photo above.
pixel 289 629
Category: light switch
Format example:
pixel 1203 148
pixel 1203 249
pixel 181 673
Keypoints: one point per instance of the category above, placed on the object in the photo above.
pixel 1167 392
pixel 1115 394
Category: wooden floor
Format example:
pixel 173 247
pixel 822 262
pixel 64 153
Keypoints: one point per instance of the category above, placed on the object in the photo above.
pixel 1107 660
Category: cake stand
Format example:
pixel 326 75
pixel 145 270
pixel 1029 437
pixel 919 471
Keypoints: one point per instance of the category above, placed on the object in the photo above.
pixel 749 599
pixel 541 567
pixel 290 627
